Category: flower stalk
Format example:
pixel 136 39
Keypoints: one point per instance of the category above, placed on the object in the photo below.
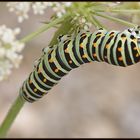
pixel 11 115
pixel 43 29
pixel 116 19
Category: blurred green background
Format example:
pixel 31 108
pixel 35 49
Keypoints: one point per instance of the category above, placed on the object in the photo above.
pixel 96 100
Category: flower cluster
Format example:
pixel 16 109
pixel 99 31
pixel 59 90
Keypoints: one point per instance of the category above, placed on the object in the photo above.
pixel 10 48
pixel 22 9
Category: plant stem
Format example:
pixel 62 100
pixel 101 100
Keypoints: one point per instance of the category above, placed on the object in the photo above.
pixel 43 28
pixel 9 119
pixel 116 20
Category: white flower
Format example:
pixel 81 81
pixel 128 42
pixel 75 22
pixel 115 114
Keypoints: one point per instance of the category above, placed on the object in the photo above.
pixel 5 69
pixel 10 49
pixel 20 8
pixel 59 9
pixel 14 58
pixel 16 31
pixel 17 46
pixel 39 7
pixel 7 36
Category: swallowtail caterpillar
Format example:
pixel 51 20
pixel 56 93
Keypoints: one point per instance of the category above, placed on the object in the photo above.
pixel 120 48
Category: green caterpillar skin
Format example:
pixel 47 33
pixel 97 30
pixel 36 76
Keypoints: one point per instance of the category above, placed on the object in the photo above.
pixel 114 47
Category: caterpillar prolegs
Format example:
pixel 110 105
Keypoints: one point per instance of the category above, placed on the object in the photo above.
pixel 114 47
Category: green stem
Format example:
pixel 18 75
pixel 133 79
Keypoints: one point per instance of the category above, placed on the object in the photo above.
pixel 116 20
pixel 9 119
pixel 43 28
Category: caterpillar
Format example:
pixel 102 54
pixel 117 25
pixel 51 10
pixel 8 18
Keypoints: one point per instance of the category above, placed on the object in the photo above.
pixel 120 48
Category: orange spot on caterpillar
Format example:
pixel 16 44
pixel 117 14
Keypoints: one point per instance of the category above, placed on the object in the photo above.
pixel 120 58
pixel 70 61
pixel 44 80
pixel 94 44
pixel 30 82
pixel 135 48
pixel 35 90
pixel 120 49
pixel 99 35
pixel 112 34
pixel 50 60
pixel 56 70
pixel 84 56
pixel 39 71
pixel 81 45
pixel 66 50
pixel 137 55
pixel 94 55
pixel 107 46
